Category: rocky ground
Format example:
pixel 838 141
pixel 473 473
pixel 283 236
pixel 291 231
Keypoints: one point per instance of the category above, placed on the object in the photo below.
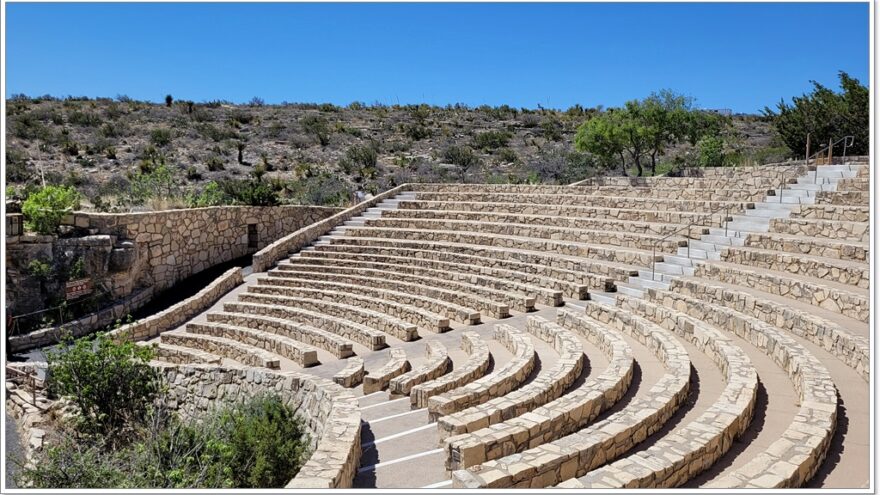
pixel 321 153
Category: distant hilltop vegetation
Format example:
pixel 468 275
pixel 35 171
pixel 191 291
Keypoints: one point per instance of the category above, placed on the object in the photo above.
pixel 122 154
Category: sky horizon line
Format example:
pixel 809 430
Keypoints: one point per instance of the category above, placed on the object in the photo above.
pixel 737 56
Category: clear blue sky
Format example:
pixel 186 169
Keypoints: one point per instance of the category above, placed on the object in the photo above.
pixel 738 56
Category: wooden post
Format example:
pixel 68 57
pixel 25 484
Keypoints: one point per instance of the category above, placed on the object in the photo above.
pixel 830 150
pixel 808 149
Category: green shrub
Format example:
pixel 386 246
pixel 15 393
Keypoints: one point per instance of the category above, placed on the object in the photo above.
pixel 17 166
pixel 462 156
pixel 160 137
pixel 39 269
pixel 318 127
pixel 214 163
pixel 250 192
pixel 259 443
pixel 210 195
pixel 417 132
pixel 491 140
pixel 44 209
pixel 86 119
pixel 111 383
pixel 710 151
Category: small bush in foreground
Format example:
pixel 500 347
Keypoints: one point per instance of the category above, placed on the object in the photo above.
pixel 44 209
pixel 111 383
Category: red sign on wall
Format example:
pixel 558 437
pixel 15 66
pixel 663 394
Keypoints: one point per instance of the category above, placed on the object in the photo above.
pixel 78 288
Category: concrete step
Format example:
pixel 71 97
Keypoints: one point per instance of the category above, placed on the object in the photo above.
pixel 812 187
pixel 660 277
pixel 799 193
pixel 813 179
pixel 797 200
pixel 839 168
pixel 733 238
pixel 609 298
pixel 698 254
pixel 631 291
pixel 773 204
pixel 702 245
pixel 671 269
pixel 678 260
pixel 749 225
pixel 767 213
pixel 647 283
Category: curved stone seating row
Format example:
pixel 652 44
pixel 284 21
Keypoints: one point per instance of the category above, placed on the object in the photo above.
pixel 569 264
pixel 583 212
pixel 584 450
pixel 424 319
pixel 347 329
pixel 219 346
pixel 589 200
pixel 823 229
pixel 545 387
pixel 436 365
pixel 402 227
pixel 548 291
pixel 427 286
pixel 574 283
pixel 631 226
pixel 374 319
pixel 843 198
pixel 796 456
pixel 306 334
pixel 844 272
pixel 847 303
pixel 487 283
pixel 181 355
pixel 397 365
pixel 779 171
pixel 694 447
pixel 559 417
pixel 827 248
pixel 301 354
pixel 577 249
pixel 739 180
pixel 671 188
pixel 854 350
pixel 352 375
pixel 475 367
pixel 733 194
pixel 832 213
pixel 495 384
pixel 452 311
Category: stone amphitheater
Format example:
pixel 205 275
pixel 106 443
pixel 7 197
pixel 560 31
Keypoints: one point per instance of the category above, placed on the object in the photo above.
pixel 710 331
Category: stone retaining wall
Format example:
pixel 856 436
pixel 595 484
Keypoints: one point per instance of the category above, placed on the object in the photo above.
pixel 330 413
pixel 175 315
pixel 83 326
pixel 172 245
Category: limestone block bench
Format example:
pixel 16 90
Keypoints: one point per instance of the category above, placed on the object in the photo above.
pixel 478 362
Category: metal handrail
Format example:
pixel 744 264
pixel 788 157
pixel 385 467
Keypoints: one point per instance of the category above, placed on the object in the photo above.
pixel 724 220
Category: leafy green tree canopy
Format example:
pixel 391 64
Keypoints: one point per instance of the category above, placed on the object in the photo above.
pixel 825 115
pixel 644 129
